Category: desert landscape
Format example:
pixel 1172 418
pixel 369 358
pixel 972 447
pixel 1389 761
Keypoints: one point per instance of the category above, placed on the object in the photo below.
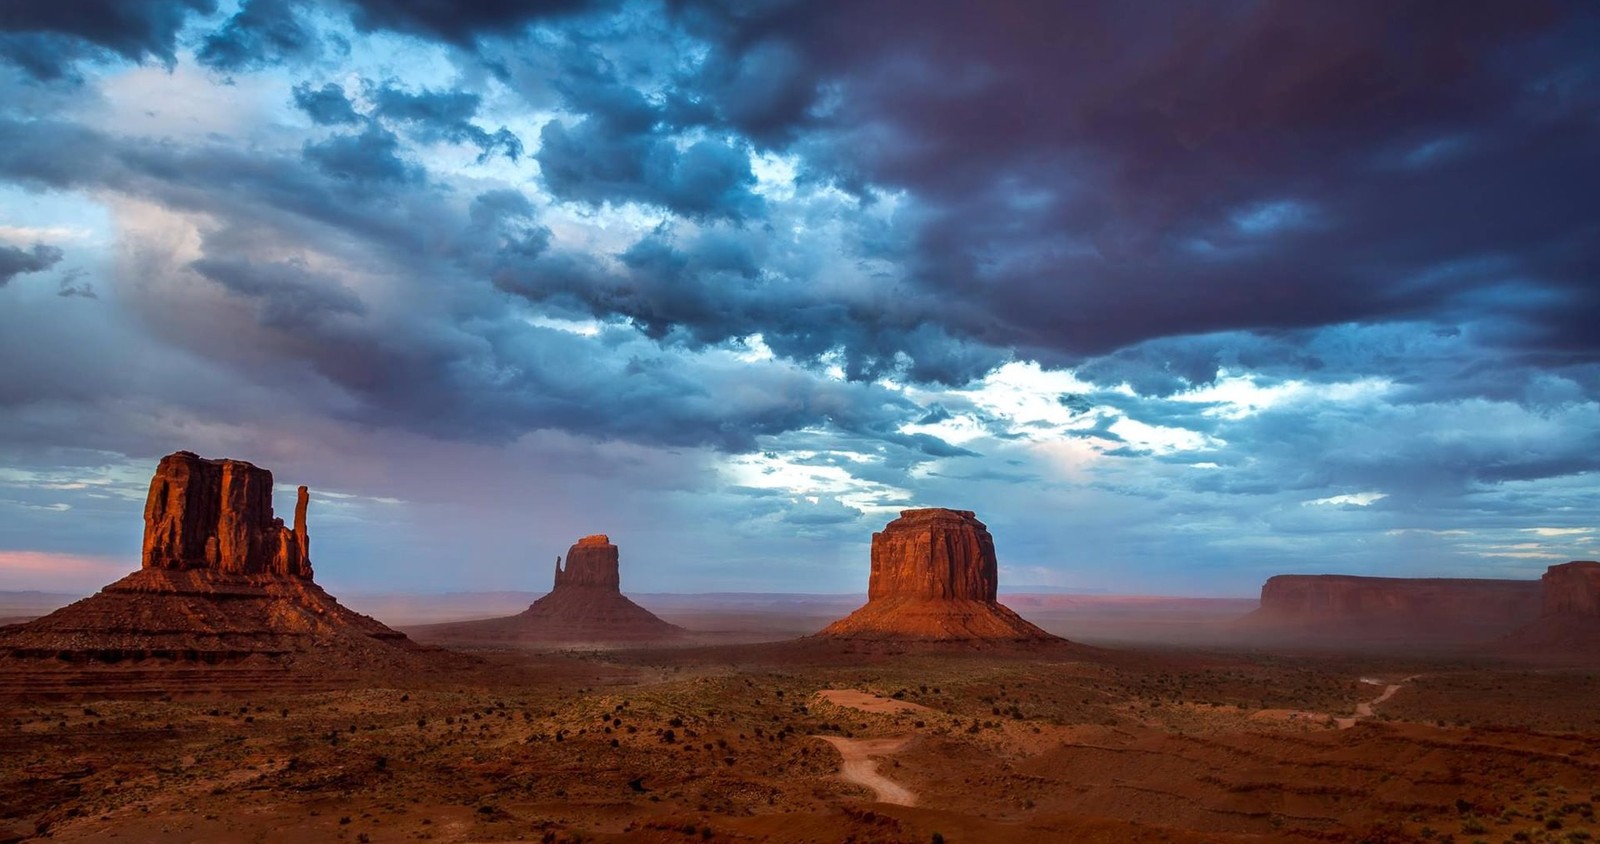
pixel 217 694
pixel 799 421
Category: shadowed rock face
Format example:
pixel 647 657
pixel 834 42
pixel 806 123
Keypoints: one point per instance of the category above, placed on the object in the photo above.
pixel 1391 611
pixel 1572 589
pixel 1330 597
pixel 591 562
pixel 1569 620
pixel 934 577
pixel 217 515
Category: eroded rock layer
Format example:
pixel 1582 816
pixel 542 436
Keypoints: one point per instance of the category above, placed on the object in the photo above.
pixel 934 577
pixel 585 605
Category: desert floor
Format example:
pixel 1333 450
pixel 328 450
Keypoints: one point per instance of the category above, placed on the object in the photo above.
pixel 824 742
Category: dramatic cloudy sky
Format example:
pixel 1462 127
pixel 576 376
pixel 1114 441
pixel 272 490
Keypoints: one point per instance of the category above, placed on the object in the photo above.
pixel 1175 295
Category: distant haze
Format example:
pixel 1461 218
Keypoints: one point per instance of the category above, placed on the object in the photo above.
pixel 1175 297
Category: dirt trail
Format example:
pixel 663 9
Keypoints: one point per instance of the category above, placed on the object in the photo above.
pixel 1365 709
pixel 861 769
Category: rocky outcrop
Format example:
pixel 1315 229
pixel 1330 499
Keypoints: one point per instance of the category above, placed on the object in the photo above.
pixel 1572 589
pixel 591 563
pixel 1569 618
pixel 934 578
pixel 585 606
pixel 1341 608
pixel 223 583
pixel 217 515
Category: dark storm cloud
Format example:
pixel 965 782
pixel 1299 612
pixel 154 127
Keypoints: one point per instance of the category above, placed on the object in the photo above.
pixel 445 358
pixel 1097 175
pixel 15 261
pixel 371 157
pixel 290 294
pixel 45 37
pixel 445 115
pixel 461 23
pixel 597 161
pixel 326 106
pixel 263 33
pixel 718 287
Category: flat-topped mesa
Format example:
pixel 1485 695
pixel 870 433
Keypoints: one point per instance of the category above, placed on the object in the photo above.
pixel 591 562
pixel 1572 589
pixel 934 554
pixel 217 515
pixel 934 578
pixel 1338 597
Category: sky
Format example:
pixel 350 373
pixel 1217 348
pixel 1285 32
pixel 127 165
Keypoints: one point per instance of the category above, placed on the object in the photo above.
pixel 1174 296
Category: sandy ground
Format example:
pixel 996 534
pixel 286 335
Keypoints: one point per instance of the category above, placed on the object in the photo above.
pixel 857 766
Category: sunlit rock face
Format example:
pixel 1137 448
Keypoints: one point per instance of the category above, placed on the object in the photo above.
pixel 934 578
pixel 217 515
pixel 934 554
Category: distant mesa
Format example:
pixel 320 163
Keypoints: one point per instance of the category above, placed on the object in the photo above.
pixel 585 605
pixel 1337 609
pixel 1569 617
pixel 934 578
pixel 223 582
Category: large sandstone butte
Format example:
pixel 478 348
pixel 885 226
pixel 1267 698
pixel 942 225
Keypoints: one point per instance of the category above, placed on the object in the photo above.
pixel 1569 617
pixel 223 583
pixel 585 606
pixel 1343 608
pixel 934 578
pixel 216 515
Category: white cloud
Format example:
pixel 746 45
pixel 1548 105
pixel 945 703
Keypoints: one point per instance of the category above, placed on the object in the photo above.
pixel 1357 499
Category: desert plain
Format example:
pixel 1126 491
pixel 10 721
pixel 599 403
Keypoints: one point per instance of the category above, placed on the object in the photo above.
pixel 745 742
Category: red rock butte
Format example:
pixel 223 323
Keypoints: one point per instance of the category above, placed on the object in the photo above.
pixel 934 578
pixel 223 582
pixel 585 606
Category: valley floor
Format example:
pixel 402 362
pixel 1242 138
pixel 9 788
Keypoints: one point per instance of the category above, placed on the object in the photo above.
pixel 744 743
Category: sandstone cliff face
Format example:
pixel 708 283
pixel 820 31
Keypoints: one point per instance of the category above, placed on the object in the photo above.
pixel 934 578
pixel 591 562
pixel 1572 589
pixel 934 554
pixel 217 515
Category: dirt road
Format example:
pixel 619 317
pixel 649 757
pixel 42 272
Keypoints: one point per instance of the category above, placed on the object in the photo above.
pixel 860 768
